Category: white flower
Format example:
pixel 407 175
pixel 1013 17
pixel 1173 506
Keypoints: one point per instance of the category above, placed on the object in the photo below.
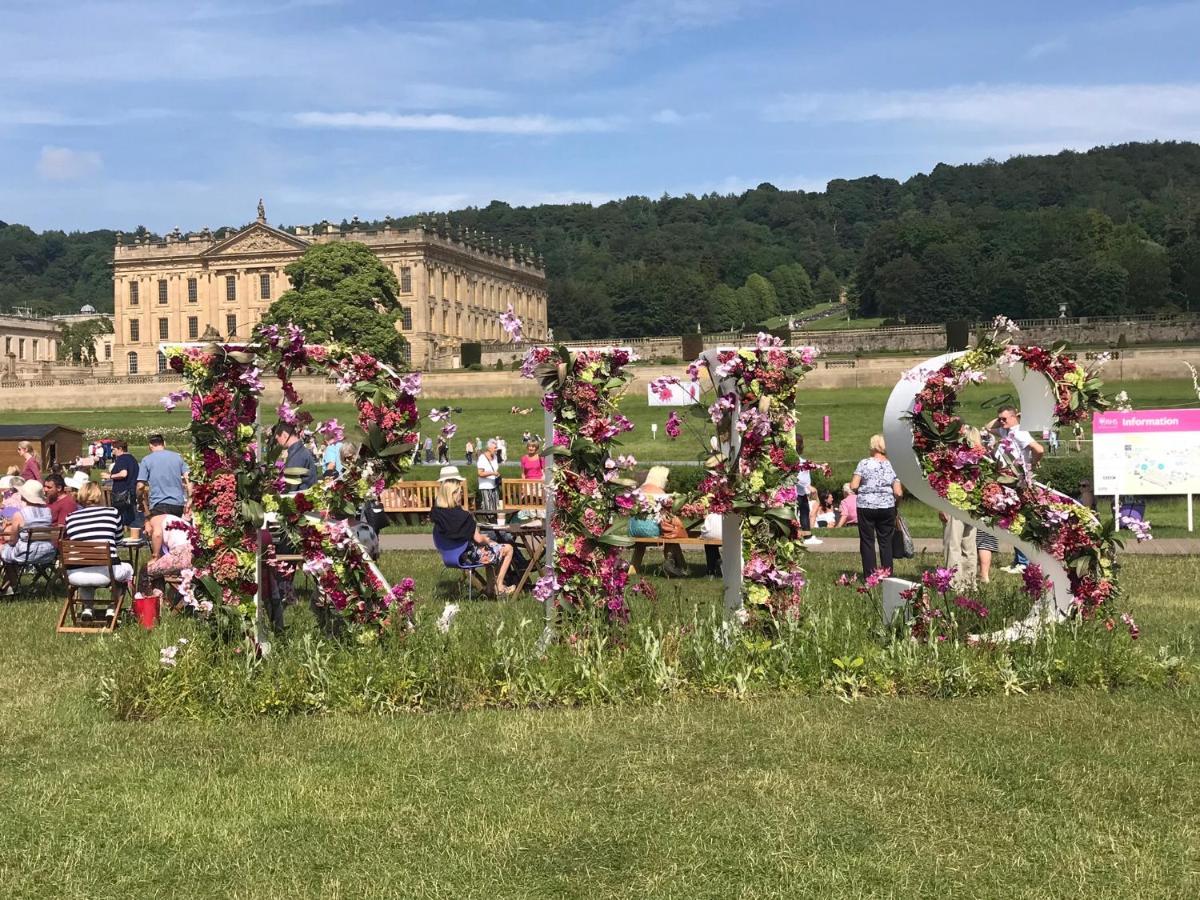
pixel 741 615
pixel 166 656
pixel 446 619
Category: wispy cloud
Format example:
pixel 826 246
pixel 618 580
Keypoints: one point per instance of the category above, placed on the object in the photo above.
pixel 1106 112
pixel 65 164
pixel 1047 48
pixel 528 124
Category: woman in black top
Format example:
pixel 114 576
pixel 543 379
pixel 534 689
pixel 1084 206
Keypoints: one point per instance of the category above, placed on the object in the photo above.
pixel 452 524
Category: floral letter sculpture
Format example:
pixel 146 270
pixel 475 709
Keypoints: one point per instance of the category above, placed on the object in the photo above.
pixel 238 477
pixel 993 490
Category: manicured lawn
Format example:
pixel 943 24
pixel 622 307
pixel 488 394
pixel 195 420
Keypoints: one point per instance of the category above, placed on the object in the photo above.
pixel 1076 793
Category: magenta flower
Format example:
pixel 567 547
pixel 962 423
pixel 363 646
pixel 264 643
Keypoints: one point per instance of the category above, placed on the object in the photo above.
pixel 938 579
pixel 673 426
pixel 1035 581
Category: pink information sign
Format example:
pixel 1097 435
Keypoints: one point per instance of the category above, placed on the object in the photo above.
pixel 1146 451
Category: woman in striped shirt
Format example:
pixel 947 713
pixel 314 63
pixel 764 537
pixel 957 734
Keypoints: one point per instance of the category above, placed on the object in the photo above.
pixel 97 523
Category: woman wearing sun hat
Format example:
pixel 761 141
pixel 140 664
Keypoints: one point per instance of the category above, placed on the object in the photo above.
pixel 16 549
pixel 454 525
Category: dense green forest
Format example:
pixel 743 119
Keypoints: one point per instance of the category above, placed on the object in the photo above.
pixel 1115 229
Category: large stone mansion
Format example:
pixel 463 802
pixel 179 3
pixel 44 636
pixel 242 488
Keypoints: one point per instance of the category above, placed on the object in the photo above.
pixel 453 287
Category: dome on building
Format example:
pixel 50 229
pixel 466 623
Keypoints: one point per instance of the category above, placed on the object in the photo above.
pixel 88 309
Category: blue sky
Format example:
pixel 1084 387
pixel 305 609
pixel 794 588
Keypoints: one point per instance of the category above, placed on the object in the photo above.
pixel 114 114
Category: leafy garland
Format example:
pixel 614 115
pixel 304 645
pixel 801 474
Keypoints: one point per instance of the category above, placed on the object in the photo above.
pixel 582 391
pixel 1000 492
pixel 233 487
pixel 760 481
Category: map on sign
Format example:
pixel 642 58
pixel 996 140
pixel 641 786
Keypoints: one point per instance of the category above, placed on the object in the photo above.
pixel 1148 451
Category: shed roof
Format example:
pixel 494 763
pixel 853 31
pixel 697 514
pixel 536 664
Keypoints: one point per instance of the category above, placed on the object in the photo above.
pixel 32 432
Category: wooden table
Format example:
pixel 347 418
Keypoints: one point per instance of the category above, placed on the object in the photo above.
pixel 133 548
pixel 531 539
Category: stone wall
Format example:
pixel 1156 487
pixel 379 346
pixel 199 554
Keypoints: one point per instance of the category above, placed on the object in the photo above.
pixel 881 372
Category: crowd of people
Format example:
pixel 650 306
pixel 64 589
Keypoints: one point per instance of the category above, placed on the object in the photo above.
pixel 117 501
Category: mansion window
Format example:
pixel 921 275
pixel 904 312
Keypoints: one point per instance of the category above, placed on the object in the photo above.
pixel 7 346
pixel 406 353
pixel 406 318
pixel 406 281
pixel 108 351
pixel 264 286
pixel 163 329
pixel 35 350
pixel 193 291
pixel 20 348
pixel 133 363
pixel 133 293
pixel 230 287
pixel 162 291
pixel 135 330
pixel 193 328
pixel 230 325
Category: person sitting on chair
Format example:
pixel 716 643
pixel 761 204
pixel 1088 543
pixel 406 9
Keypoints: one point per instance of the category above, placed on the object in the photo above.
pixel 95 522
pixel 170 546
pixel 452 524
pixel 16 550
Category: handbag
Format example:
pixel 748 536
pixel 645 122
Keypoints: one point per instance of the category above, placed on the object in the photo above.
pixel 644 528
pixel 902 542
pixel 672 527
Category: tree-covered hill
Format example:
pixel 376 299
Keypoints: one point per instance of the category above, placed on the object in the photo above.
pixel 1114 229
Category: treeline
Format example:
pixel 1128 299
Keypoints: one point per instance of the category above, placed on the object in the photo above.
pixel 1116 229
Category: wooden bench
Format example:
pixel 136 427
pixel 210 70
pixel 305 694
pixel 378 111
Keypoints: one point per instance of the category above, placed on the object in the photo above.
pixel 641 543
pixel 416 497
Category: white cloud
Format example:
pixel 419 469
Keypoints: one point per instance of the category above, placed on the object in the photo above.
pixel 1103 113
pixel 65 164
pixel 1046 48
pixel 528 124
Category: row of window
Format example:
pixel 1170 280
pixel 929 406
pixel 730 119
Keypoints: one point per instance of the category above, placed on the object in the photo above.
pixel 20 351
pixel 193 328
pixel 193 290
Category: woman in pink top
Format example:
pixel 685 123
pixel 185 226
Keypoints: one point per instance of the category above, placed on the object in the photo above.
pixel 532 465
pixel 848 508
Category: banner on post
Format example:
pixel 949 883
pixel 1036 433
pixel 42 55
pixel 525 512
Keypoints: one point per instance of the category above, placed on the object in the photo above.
pixel 1146 451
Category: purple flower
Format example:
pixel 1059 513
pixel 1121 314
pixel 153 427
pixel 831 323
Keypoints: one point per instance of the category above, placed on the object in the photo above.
pixel 545 587
pixel 172 399
pixel 1036 582
pixel 673 426
pixel 938 579
pixel 411 384
pixel 973 605
pixel 511 323
pixel 1140 529
pixel 332 431
pixel 449 430
pixel 437 415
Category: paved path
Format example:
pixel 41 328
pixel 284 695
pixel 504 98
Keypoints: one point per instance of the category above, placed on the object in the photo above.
pixel 1156 547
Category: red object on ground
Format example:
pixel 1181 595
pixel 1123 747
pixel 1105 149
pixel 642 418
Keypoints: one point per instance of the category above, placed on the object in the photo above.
pixel 825 427
pixel 145 608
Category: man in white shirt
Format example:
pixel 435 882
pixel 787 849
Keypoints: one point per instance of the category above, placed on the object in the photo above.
pixel 1015 442
pixel 488 468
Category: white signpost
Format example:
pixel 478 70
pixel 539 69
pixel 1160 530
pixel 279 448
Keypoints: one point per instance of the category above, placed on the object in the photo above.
pixel 1146 452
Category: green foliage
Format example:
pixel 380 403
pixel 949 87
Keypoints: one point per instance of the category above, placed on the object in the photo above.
pixel 1064 473
pixel 342 292
pixel 971 240
pixel 675 648
pixel 77 343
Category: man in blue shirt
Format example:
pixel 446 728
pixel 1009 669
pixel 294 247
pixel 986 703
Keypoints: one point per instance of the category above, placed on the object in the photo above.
pixel 165 472
pixel 298 457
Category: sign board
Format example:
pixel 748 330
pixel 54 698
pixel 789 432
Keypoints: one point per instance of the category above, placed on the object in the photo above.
pixel 1146 451
pixel 682 394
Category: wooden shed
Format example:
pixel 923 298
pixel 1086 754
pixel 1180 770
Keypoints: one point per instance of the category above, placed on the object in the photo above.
pixel 52 443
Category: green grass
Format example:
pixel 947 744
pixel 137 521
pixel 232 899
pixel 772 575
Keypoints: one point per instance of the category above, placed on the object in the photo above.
pixel 1060 794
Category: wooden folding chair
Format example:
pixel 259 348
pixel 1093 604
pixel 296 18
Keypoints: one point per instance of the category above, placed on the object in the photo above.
pixel 76 555
pixel 40 572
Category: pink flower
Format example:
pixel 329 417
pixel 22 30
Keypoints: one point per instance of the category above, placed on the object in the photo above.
pixel 511 324
pixel 938 579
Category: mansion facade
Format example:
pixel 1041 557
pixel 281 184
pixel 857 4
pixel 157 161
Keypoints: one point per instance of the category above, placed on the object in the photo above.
pixel 453 288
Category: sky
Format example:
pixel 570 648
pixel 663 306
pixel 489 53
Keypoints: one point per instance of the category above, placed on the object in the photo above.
pixel 183 114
